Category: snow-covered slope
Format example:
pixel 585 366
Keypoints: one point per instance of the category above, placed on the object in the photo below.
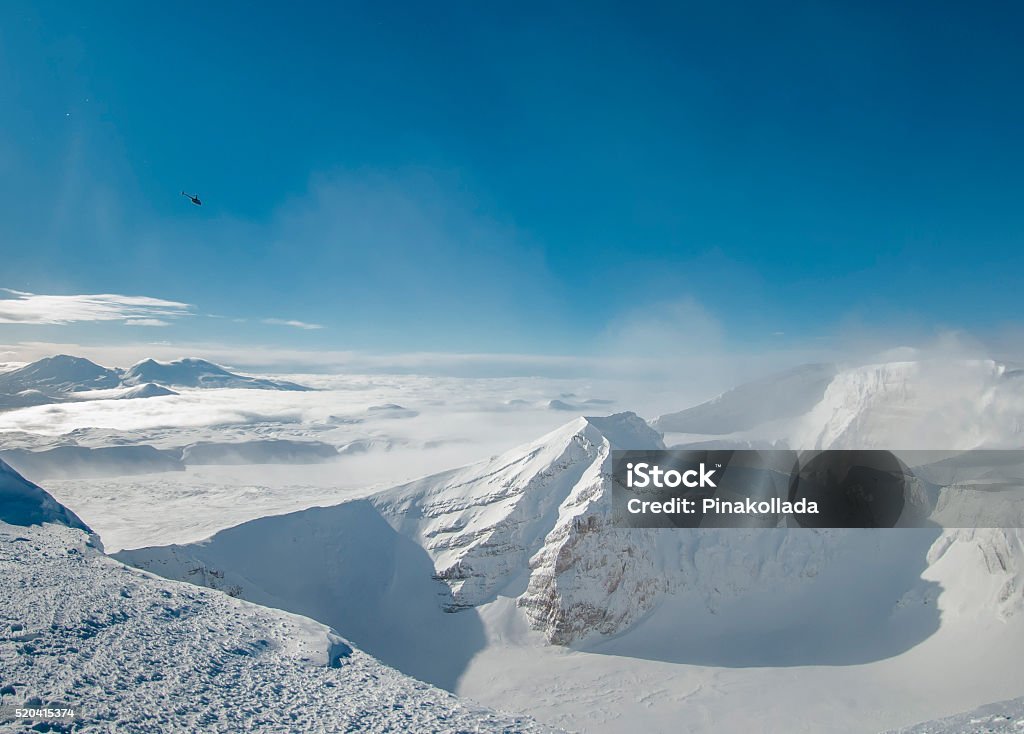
pixel 791 393
pixel 197 373
pixel 929 404
pixel 24 503
pixel 942 404
pixel 59 374
pixel 1004 717
pixel 341 565
pixel 139 654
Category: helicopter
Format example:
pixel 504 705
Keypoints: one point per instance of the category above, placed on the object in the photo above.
pixel 195 199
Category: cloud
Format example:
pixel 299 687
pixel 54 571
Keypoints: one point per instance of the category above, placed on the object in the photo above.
pixel 669 329
pixel 292 323
pixel 19 307
pixel 146 322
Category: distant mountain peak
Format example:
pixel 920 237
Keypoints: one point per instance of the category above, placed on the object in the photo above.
pixel 194 372
pixel 58 378
pixel 61 373
pixel 146 390
pixel 66 359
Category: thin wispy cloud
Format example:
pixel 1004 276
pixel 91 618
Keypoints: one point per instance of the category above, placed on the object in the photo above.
pixel 20 307
pixel 293 323
pixel 147 322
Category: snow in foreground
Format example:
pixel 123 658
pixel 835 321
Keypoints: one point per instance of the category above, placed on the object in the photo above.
pixel 141 654
pixel 1005 717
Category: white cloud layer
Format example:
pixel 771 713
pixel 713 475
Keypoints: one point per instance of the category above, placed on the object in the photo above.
pixel 19 307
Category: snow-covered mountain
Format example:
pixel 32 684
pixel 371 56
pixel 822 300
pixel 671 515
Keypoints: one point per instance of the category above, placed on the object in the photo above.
pixel 197 373
pixel 524 512
pixel 915 404
pixel 59 374
pixel 27 399
pixel 64 378
pixel 923 404
pixel 534 525
pixel 785 395
pixel 145 390
pixel 32 397
pixel 397 565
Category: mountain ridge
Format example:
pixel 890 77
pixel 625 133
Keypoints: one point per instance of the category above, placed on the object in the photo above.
pixel 193 372
pixel 63 378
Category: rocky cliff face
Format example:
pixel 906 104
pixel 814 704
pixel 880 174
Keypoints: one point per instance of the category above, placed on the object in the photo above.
pixel 490 524
pixel 982 568
pixel 587 576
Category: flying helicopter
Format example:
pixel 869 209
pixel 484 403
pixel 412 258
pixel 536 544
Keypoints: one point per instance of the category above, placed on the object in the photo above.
pixel 195 199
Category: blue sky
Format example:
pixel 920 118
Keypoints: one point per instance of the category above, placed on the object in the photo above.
pixel 478 177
